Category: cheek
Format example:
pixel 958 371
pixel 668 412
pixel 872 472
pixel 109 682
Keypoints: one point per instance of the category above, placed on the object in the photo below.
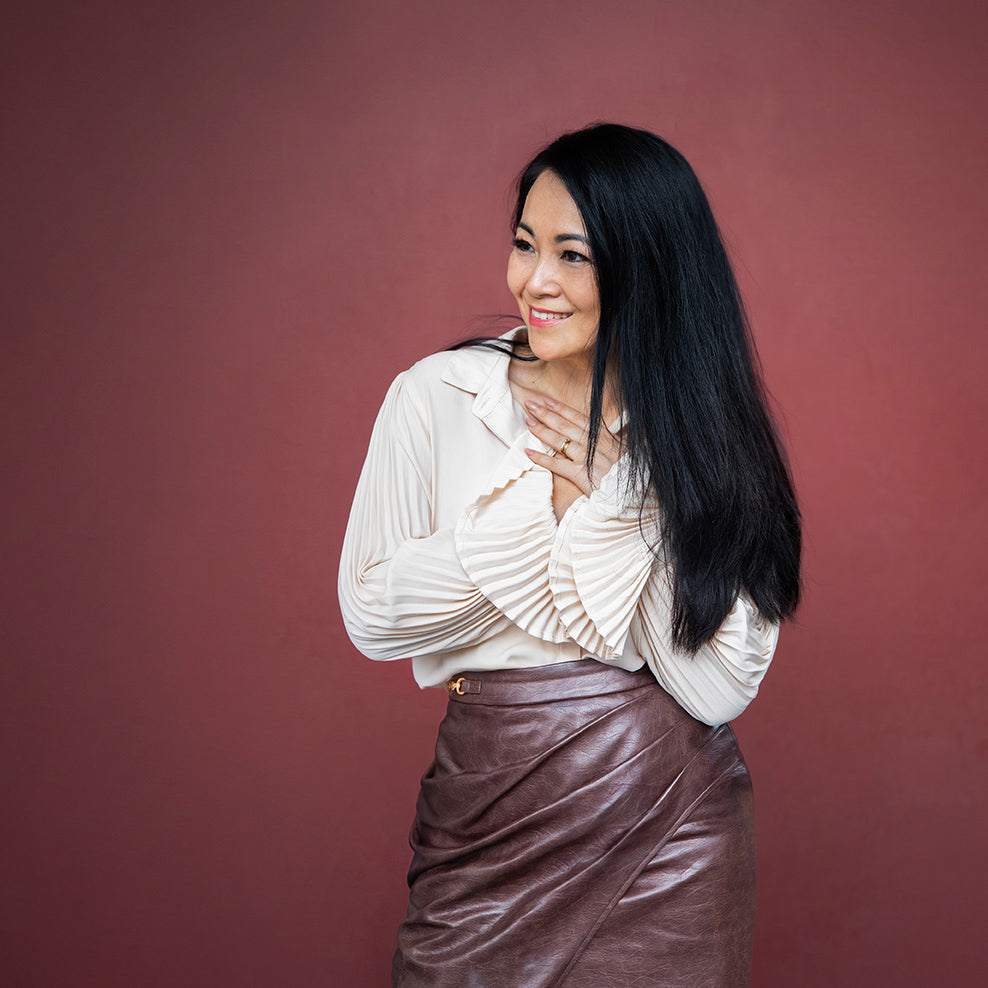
pixel 589 297
pixel 515 277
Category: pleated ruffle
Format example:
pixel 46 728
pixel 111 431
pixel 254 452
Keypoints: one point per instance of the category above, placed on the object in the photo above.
pixel 504 540
pixel 580 579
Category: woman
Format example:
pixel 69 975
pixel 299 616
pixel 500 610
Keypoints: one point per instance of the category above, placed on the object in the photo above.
pixel 587 532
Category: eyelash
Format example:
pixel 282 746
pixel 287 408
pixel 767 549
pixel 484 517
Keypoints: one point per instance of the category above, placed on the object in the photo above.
pixel 571 256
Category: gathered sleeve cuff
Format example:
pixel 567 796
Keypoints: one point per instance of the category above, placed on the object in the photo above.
pixel 722 678
pixel 504 540
pixel 600 563
pixel 403 592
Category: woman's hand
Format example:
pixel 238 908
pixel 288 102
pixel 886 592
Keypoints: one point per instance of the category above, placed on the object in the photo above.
pixel 566 430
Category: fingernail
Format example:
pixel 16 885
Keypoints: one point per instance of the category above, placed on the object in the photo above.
pixel 532 404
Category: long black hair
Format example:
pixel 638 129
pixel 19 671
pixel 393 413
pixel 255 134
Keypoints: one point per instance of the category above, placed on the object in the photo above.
pixel 699 432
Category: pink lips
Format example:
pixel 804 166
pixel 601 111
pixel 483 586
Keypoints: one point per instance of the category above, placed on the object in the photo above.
pixel 534 320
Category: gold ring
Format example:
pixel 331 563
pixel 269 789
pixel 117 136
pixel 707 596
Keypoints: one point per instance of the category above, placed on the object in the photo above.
pixel 562 449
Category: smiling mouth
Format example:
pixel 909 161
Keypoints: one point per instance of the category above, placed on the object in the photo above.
pixel 541 316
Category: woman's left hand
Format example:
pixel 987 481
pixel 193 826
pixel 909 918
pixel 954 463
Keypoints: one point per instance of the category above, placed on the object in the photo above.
pixel 566 430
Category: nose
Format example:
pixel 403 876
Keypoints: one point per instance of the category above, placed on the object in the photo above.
pixel 543 279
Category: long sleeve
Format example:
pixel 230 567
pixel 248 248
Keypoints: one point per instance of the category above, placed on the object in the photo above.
pixel 614 598
pixel 453 557
pixel 403 591
pixel 717 683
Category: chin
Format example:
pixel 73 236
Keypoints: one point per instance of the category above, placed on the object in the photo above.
pixel 542 348
pixel 548 349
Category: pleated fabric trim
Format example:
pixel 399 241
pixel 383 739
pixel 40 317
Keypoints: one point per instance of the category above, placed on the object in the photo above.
pixel 580 579
pixel 504 540
pixel 599 566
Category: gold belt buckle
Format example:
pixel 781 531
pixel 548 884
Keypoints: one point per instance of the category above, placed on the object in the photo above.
pixel 455 686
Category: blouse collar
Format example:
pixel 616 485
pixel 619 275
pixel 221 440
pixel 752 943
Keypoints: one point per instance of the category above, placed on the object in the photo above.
pixel 483 372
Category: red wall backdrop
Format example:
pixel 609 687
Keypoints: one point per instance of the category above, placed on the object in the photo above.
pixel 228 225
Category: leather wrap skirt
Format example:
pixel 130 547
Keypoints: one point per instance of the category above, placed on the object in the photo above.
pixel 578 828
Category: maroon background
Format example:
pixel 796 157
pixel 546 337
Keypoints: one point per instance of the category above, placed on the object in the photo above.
pixel 228 226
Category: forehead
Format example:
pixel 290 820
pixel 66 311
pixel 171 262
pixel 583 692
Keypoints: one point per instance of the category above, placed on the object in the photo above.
pixel 549 206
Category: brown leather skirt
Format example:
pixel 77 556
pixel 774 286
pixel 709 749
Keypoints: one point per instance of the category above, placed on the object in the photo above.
pixel 579 828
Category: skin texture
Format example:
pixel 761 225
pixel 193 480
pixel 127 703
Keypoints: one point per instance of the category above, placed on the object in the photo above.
pixel 550 270
pixel 554 423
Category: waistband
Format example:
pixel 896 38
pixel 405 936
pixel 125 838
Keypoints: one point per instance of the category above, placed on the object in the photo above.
pixel 540 684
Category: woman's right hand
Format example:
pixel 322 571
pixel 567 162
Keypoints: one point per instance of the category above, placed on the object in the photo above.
pixel 565 429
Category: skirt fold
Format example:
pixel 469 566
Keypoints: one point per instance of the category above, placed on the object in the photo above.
pixel 577 827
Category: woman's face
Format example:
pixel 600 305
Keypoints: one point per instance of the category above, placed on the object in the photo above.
pixel 551 274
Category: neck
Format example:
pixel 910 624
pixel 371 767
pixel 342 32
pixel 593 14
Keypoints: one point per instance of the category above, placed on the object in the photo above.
pixel 568 381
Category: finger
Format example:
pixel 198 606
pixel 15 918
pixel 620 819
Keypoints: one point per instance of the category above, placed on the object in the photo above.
pixel 562 467
pixel 560 423
pixel 551 412
pixel 574 415
pixel 567 446
pixel 608 449
pixel 556 440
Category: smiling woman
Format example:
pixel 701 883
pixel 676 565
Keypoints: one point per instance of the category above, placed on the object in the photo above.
pixel 550 274
pixel 591 547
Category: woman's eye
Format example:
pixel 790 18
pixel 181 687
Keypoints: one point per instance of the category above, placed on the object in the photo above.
pixel 575 256
pixel 520 244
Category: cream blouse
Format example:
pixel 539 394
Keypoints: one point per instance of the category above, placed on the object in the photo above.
pixel 453 556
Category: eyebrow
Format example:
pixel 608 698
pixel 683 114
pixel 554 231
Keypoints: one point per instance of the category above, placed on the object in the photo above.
pixel 560 238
